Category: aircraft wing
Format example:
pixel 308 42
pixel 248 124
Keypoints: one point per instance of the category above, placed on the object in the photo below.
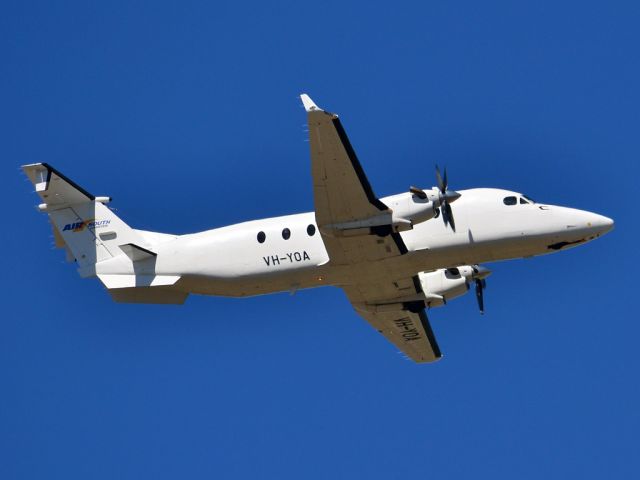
pixel 404 323
pixel 342 193
pixel 343 199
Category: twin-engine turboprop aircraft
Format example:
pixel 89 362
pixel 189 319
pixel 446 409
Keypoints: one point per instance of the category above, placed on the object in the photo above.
pixel 394 256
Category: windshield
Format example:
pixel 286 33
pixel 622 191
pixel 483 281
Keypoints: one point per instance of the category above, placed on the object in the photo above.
pixel 529 198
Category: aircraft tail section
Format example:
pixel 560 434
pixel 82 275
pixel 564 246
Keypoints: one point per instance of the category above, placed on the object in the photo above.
pixel 100 242
pixel 82 223
pixel 91 231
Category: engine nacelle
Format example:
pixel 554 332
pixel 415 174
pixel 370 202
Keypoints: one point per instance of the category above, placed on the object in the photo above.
pixel 445 284
pixel 442 285
pixel 411 208
pixel 405 211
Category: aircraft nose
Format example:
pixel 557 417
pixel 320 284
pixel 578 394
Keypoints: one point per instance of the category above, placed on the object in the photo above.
pixel 599 223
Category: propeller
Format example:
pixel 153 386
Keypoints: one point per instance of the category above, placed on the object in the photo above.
pixel 479 275
pixel 480 286
pixel 446 198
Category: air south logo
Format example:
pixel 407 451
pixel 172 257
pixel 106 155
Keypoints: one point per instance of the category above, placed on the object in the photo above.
pixel 91 224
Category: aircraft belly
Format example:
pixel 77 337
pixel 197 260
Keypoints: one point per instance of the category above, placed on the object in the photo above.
pixel 250 285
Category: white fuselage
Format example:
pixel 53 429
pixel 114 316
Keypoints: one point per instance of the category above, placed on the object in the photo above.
pixel 230 261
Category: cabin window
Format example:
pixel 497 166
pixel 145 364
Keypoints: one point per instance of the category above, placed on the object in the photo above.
pixel 311 230
pixel 261 237
pixel 286 233
pixel 510 200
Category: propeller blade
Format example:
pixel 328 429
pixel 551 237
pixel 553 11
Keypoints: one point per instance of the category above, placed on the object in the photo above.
pixel 445 218
pixel 479 295
pixel 441 185
pixel 445 183
pixel 449 216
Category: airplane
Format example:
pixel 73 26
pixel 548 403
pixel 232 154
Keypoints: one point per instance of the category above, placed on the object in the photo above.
pixel 395 257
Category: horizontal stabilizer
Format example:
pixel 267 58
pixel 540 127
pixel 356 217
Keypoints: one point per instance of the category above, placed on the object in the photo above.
pixel 54 188
pixel 136 253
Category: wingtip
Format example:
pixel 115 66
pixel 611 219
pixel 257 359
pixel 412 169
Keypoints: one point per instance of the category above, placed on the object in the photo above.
pixel 309 105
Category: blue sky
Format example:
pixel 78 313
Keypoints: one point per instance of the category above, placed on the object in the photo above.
pixel 187 114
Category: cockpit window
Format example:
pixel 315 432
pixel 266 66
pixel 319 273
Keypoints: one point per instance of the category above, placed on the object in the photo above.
pixel 529 199
pixel 523 201
pixel 510 200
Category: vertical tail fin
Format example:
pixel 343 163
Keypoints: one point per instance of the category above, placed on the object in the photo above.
pixel 89 230
pixel 91 234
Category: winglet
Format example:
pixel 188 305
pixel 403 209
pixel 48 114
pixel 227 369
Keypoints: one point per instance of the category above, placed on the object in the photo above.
pixel 309 106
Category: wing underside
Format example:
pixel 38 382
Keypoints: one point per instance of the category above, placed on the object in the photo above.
pixel 343 195
pixel 409 331
pixel 345 203
pixel 395 308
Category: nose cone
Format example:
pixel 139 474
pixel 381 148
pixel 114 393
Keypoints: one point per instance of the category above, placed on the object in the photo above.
pixel 574 227
pixel 600 224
